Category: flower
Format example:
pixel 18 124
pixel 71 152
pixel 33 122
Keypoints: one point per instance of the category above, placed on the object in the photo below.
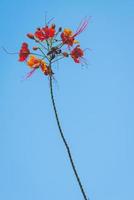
pixel 67 37
pixel 49 32
pixel 36 63
pixel 76 54
pixel 52 44
pixel 45 33
pixel 46 69
pixel 68 32
pixel 33 62
pixel 39 34
pixel 24 52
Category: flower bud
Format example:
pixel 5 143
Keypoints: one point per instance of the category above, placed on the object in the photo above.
pixel 53 26
pixel 60 29
pixel 30 35
pixel 65 54
pixel 35 48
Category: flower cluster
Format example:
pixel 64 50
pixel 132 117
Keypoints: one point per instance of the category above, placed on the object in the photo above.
pixel 52 45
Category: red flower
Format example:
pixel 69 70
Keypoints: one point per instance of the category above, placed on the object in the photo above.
pixel 77 53
pixel 49 32
pixel 24 52
pixel 39 34
pixel 45 33
pixel 67 37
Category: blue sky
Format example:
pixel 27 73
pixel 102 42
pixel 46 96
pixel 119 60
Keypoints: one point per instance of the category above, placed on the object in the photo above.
pixel 95 103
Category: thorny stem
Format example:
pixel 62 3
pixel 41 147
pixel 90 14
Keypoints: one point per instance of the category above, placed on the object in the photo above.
pixel 64 140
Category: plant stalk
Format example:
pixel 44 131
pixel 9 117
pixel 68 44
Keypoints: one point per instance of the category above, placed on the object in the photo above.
pixel 64 140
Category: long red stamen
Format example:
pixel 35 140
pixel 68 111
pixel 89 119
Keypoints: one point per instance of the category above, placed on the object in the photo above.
pixel 82 27
pixel 30 73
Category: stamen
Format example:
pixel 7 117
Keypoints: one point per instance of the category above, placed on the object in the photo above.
pixel 30 73
pixel 82 26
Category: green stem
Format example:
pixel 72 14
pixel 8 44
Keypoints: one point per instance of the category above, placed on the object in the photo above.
pixel 43 54
pixel 64 140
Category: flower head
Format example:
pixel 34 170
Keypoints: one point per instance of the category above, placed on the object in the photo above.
pixel 52 45
pixel 46 69
pixel 24 52
pixel 33 62
pixel 45 33
pixel 67 37
pixel 76 54
pixel 49 32
pixel 68 32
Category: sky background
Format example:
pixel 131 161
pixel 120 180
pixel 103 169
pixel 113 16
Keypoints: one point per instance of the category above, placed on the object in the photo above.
pixel 95 104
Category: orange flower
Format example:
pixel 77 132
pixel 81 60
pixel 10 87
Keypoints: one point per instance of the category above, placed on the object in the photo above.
pixel 46 69
pixel 68 32
pixel 33 62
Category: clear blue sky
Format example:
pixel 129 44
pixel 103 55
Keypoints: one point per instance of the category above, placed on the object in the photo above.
pixel 96 105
